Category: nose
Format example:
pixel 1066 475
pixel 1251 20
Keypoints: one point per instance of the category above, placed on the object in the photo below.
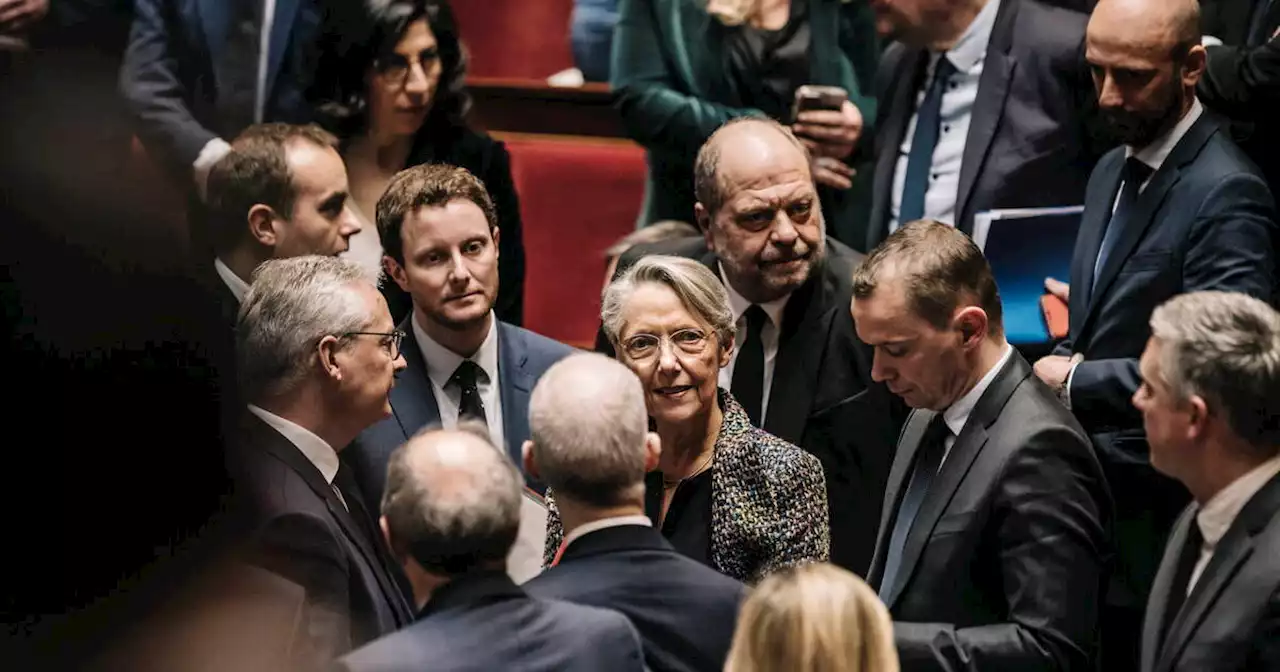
pixel 350 225
pixel 1108 93
pixel 398 363
pixel 784 230
pixel 879 372
pixel 668 363
pixel 459 273
pixel 416 81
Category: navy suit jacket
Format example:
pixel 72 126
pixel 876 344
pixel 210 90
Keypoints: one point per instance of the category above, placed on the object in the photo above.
pixel 485 622
pixel 1034 134
pixel 685 611
pixel 523 357
pixel 169 75
pixel 1205 220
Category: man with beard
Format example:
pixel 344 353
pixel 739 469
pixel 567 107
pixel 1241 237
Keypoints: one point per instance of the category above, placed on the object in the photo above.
pixel 1177 209
pixel 799 369
pixel 440 234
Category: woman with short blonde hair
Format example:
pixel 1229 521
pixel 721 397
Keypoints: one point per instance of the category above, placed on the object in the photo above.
pixel 816 618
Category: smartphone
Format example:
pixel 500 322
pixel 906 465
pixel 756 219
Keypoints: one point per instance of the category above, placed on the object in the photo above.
pixel 815 97
pixel 1056 315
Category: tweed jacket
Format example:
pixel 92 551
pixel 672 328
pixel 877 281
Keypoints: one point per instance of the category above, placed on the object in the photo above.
pixel 768 502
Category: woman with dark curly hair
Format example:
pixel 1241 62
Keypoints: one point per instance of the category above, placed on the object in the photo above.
pixel 393 89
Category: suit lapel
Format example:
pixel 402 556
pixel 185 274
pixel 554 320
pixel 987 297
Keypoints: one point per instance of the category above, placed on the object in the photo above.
pixel 412 399
pixel 1232 550
pixel 955 467
pixel 285 18
pixel 806 323
pixel 1089 241
pixel 988 110
pixel 908 444
pixel 515 384
pixel 213 19
pixel 897 115
pixel 1154 618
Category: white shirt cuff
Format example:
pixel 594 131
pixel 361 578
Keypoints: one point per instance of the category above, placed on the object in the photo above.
pixel 213 150
pixel 1210 41
pixel 1065 395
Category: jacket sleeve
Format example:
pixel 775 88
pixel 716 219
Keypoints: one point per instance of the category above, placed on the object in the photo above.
pixel 1242 82
pixel 805 529
pixel 653 112
pixel 555 531
pixel 1049 535
pixel 154 90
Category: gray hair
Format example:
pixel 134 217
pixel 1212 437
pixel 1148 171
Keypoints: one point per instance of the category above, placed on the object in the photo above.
pixel 452 500
pixel 291 305
pixel 699 290
pixel 588 424
pixel 1225 348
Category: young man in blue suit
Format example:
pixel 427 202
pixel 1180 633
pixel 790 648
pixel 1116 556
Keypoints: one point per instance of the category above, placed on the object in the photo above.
pixel 1177 209
pixel 440 232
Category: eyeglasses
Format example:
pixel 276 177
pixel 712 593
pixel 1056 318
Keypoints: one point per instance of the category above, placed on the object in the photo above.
pixel 395 68
pixel 646 346
pixel 390 341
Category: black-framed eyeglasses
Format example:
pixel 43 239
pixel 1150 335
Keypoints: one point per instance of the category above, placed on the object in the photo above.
pixel 390 340
pixel 395 68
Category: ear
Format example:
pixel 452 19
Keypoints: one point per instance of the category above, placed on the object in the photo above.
pixel 652 451
pixel 395 271
pixel 530 467
pixel 327 353
pixel 703 217
pixel 386 531
pixel 726 352
pixel 1193 67
pixel 262 228
pixel 971 323
pixel 497 249
pixel 1197 417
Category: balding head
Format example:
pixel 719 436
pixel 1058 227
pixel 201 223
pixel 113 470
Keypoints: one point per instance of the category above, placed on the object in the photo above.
pixel 452 501
pixel 740 143
pixel 1146 59
pixel 590 431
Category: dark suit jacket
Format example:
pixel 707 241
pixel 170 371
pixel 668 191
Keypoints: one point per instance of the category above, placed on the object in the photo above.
pixel 523 357
pixel 488 160
pixel 485 622
pixel 1004 565
pixel 670 70
pixel 684 610
pixel 1204 221
pixel 168 76
pixel 1231 620
pixel 1034 135
pixel 822 397
pixel 303 532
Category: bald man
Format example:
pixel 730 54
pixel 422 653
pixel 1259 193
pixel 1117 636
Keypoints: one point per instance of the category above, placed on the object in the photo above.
pixel 450 513
pixel 1177 209
pixel 799 369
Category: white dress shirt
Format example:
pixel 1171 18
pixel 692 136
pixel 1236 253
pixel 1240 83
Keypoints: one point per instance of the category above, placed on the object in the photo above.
pixel 312 447
pixel 1217 515
pixel 441 364
pixel 583 530
pixel 955 115
pixel 1153 155
pixel 957 415
pixel 233 282
pixel 769 337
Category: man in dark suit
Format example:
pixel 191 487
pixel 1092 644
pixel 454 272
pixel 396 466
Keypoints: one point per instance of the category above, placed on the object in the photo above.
pixel 1210 399
pixel 451 514
pixel 592 447
pixel 993 542
pixel 317 355
pixel 1177 209
pixel 984 105
pixel 799 369
pixel 440 235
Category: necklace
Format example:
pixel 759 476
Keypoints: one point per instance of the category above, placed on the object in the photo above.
pixel 706 462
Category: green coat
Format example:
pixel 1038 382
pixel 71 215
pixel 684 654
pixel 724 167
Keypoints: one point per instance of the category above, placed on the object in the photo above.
pixel 673 92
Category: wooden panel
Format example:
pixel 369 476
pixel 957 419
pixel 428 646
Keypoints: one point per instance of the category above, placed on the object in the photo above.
pixel 533 106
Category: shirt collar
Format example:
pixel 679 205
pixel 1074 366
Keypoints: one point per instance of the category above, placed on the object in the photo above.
pixel 314 448
pixel 971 48
pixel 443 362
pixel 739 304
pixel 957 415
pixel 1216 516
pixel 1155 153
pixel 237 286
pixel 596 526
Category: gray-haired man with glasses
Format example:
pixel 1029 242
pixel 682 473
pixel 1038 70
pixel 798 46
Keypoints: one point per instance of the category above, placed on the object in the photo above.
pixel 317 357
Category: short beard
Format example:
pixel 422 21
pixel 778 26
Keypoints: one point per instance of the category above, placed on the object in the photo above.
pixel 1145 131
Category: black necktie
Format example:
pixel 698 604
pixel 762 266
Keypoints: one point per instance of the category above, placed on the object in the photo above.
pixel 748 371
pixel 470 405
pixel 237 80
pixel 928 458
pixel 1135 173
pixel 1182 578
pixel 923 142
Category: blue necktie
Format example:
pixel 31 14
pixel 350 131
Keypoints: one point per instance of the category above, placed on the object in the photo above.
pixel 923 142
pixel 1135 173
pixel 933 445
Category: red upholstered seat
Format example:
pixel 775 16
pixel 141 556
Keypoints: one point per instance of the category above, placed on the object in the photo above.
pixel 578 196
pixel 515 38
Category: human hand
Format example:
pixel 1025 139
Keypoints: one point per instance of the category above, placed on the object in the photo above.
pixel 1054 369
pixel 831 172
pixel 1058 288
pixel 18 15
pixel 830 133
